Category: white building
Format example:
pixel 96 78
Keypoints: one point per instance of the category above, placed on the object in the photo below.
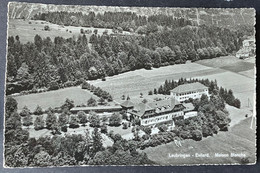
pixel 191 90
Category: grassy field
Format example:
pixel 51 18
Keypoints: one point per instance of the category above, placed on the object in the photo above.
pixel 54 98
pixel 230 77
pixel 28 31
pixel 240 139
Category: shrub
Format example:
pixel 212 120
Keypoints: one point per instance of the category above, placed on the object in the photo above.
pixel 53 85
pixel 215 129
pixel 103 128
pixel 185 134
pixel 27 120
pixel 92 102
pixel 196 135
pixel 38 110
pixel 82 117
pixel 163 128
pixel 115 119
pixel 125 126
pixel 25 111
pixel 74 122
pixel 64 128
pixel 39 123
pixel 94 120
pixel 147 130
pixel 46 28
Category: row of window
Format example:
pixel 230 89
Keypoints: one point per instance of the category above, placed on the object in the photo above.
pixel 155 120
pixel 191 92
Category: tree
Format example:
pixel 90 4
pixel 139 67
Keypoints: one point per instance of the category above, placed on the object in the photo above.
pixel 38 110
pixel 196 135
pixel 63 119
pixel 39 123
pixel 237 103
pixel 25 111
pixel 74 122
pixel 144 101
pixel 102 101
pixel 147 130
pixel 115 119
pixel 97 141
pixel 92 102
pixel 53 85
pixel 150 92
pixel 46 28
pixel 10 105
pixel 22 72
pixel 94 120
pixel 38 42
pixel 42 159
pixel 68 104
pixel 27 120
pixel 103 128
pixel 155 91
pixel 50 120
pixel 82 118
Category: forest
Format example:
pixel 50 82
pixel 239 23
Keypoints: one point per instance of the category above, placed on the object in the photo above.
pixel 154 41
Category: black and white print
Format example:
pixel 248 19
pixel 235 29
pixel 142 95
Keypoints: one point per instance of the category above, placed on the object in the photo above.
pixel 103 85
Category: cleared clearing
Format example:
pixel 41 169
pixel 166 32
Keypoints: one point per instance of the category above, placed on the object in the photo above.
pixel 27 31
pixel 54 98
pixel 141 81
pixel 240 139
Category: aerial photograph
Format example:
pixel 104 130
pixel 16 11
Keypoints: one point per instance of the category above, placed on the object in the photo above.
pixel 118 85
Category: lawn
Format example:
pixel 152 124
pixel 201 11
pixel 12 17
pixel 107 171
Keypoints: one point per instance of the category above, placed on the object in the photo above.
pixel 239 66
pixel 54 98
pixel 243 87
pixel 240 139
pixel 141 81
pixel 28 31
pixel 220 61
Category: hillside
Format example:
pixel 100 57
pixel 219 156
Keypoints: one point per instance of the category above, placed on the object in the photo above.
pixel 199 16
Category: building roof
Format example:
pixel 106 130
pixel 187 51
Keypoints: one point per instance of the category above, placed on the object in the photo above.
pixel 141 108
pixel 93 108
pixel 188 87
pixel 164 103
pixel 168 105
pixel 127 104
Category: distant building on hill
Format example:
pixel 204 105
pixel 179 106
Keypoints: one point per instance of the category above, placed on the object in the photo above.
pixel 190 90
pixel 248 49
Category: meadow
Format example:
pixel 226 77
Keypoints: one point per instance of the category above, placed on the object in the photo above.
pixel 141 81
pixel 54 98
pixel 27 31
pixel 239 139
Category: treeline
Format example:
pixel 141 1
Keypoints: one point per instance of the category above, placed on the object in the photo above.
pixel 128 21
pixel 55 63
pixel 226 95
pixel 97 91
pixel 23 151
